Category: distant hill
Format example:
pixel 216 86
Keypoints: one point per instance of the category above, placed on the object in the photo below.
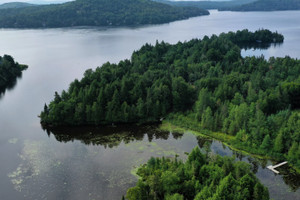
pixel 269 5
pixel 207 4
pixel 15 5
pixel 96 13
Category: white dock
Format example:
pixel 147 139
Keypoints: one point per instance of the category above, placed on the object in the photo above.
pixel 270 167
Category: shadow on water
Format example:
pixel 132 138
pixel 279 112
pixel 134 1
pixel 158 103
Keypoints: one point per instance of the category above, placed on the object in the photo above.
pixel 290 177
pixel 10 86
pixel 258 45
pixel 259 166
pixel 110 136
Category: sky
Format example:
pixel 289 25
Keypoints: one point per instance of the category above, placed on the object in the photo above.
pixel 61 1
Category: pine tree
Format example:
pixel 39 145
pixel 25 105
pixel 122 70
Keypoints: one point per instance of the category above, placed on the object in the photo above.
pixel 278 144
pixel 267 143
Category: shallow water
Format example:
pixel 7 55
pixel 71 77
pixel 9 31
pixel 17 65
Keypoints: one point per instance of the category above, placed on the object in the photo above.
pixel 36 166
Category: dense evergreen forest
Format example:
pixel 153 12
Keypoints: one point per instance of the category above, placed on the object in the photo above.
pixel 200 84
pixel 95 13
pixel 268 5
pixel 9 71
pixel 201 177
pixel 207 4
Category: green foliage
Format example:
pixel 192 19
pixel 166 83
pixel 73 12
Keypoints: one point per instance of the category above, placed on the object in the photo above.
pixel 157 80
pixel 175 196
pixel 134 193
pixel 216 178
pixel 278 143
pixel 260 192
pixel 199 86
pixel 267 143
pixel 259 37
pixel 95 13
pixel 9 71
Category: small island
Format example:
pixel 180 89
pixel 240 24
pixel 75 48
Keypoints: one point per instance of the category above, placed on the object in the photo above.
pixel 95 13
pixel 201 177
pixel 9 71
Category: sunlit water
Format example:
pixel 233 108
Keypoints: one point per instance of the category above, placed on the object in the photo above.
pixel 36 166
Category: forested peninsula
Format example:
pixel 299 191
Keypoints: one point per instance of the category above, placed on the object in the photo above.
pixel 267 5
pixel 95 13
pixel 204 85
pixel 201 177
pixel 9 71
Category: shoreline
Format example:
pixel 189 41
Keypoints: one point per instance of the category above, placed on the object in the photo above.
pixel 167 125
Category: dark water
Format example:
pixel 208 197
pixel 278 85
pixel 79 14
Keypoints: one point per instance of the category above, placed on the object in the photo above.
pixel 34 165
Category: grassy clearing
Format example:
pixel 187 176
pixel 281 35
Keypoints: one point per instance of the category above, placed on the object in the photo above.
pixel 228 140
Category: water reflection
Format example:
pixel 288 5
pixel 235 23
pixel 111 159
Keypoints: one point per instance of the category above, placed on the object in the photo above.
pixel 112 137
pixel 92 162
pixel 109 136
pixel 287 174
pixel 258 45
pixel 290 177
pixel 10 86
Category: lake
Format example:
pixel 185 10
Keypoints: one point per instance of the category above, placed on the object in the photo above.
pixel 97 163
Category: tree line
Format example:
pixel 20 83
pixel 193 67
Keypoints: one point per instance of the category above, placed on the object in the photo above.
pixel 267 5
pixel 201 177
pixel 202 84
pixel 95 13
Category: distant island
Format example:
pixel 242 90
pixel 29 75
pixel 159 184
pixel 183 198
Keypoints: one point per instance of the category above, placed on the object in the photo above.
pixel 95 13
pixel 268 5
pixel 239 5
pixel 9 71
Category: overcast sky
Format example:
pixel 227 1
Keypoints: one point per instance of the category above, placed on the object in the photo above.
pixel 60 1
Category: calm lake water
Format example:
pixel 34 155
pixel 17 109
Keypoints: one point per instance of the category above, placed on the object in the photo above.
pixel 91 163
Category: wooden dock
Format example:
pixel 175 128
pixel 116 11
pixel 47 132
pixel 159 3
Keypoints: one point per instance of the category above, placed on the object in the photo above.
pixel 272 168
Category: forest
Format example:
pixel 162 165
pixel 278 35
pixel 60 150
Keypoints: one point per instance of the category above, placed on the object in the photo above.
pixel 267 5
pixel 9 71
pixel 205 85
pixel 201 177
pixel 239 5
pixel 95 13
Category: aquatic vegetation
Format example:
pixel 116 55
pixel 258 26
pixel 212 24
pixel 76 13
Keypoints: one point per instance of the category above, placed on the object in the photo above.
pixel 13 140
